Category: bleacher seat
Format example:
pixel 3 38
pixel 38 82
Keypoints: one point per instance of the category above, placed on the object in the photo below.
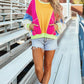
pixel 12 36
pixel 12 70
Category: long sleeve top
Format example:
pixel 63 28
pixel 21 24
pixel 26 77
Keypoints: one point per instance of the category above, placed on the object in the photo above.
pixel 41 14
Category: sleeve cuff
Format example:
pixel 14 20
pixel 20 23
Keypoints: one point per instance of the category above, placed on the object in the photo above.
pixel 26 24
pixel 59 25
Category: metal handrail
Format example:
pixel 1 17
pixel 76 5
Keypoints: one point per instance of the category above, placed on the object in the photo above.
pixel 81 42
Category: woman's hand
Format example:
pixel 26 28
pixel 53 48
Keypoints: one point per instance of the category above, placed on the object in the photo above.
pixel 55 26
pixel 31 26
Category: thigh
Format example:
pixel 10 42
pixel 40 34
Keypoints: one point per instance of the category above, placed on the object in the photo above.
pixel 38 54
pixel 48 58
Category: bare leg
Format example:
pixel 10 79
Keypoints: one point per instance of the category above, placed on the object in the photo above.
pixel 38 54
pixel 47 65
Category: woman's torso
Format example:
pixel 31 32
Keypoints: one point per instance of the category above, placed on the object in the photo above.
pixel 43 16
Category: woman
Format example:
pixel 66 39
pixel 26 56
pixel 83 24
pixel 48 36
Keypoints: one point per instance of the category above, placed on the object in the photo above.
pixel 40 19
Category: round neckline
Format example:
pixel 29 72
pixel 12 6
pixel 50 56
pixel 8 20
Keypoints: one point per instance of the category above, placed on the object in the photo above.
pixel 44 2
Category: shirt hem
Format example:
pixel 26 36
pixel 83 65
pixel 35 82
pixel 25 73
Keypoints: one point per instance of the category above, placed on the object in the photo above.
pixel 44 35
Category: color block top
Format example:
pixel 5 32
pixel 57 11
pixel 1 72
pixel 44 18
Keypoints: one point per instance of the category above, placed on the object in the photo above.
pixel 41 14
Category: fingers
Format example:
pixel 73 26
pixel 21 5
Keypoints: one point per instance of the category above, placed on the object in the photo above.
pixel 55 25
pixel 32 26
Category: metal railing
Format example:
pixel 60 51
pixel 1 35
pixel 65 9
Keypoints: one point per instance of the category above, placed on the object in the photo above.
pixel 81 41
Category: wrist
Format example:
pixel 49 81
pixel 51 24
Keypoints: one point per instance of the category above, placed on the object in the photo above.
pixel 56 27
pixel 31 27
pixel 59 25
pixel 28 26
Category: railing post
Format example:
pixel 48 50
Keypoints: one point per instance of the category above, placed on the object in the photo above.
pixel 19 24
pixel 8 46
pixel 25 37
pixel 5 28
pixel 11 14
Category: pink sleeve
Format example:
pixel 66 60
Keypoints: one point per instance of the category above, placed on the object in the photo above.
pixel 29 9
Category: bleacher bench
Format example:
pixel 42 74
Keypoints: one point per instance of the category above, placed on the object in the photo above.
pixel 10 37
pixel 10 72
pixel 9 22
pixel 8 8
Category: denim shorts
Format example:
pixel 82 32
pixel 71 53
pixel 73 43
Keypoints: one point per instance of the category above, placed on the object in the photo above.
pixel 45 43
